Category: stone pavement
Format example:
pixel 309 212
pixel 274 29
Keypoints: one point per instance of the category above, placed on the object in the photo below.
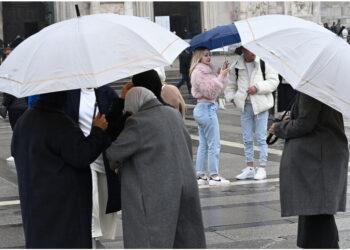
pixel 245 214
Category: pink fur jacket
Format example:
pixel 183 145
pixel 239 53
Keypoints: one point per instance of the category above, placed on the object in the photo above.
pixel 206 84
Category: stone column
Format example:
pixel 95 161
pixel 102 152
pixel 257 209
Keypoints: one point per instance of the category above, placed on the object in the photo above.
pixel 208 15
pixel 95 7
pixel 144 9
pixel 316 12
pixel 128 8
pixel 64 11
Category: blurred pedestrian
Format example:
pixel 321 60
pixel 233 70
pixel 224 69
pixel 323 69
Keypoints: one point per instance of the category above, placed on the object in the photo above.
pixel 53 158
pixel 187 34
pixel 15 106
pixel 160 201
pixel 185 64
pixel 333 28
pixel 206 88
pixel 16 41
pixel 326 26
pixel 82 106
pixel 338 27
pixel 313 170
pixel 250 89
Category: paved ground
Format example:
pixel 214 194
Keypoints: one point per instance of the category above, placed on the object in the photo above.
pixel 245 214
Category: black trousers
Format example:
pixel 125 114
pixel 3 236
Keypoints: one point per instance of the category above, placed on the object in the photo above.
pixel 317 231
pixel 185 78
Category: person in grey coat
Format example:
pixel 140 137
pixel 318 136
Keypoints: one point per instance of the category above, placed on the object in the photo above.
pixel 159 192
pixel 313 170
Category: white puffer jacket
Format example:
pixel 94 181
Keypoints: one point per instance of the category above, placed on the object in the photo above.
pixel 263 99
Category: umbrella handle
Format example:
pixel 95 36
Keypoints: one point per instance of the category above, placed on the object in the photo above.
pixel 268 140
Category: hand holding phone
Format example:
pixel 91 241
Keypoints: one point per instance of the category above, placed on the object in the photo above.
pixel 225 65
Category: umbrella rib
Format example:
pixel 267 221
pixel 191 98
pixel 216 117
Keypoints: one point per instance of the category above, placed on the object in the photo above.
pixel 96 73
pixel 291 69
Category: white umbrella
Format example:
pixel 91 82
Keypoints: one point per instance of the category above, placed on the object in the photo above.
pixel 311 58
pixel 87 51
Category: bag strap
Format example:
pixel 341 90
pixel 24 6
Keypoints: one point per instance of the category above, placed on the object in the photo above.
pixel 269 137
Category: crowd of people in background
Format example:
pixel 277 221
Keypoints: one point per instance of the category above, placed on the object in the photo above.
pixel 339 29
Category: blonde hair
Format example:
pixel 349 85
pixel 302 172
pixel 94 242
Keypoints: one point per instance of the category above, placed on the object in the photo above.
pixel 196 58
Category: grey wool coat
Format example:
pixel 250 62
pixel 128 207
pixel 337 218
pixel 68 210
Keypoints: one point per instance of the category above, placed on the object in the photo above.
pixel 160 200
pixel 314 164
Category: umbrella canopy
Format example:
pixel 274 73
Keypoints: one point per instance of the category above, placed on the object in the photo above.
pixel 311 58
pixel 216 38
pixel 87 51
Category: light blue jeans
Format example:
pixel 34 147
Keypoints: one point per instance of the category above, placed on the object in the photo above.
pixel 209 138
pixel 254 124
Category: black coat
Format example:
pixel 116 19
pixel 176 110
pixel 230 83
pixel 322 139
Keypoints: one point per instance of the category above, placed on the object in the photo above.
pixel 53 158
pixel 105 96
pixel 185 62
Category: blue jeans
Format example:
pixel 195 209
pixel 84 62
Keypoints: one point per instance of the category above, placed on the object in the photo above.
pixel 254 124
pixel 209 138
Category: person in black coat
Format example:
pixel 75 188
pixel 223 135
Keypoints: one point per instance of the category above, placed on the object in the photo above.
pixel 104 226
pixel 52 158
pixel 185 63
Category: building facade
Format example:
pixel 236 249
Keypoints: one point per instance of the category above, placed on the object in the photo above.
pixel 26 18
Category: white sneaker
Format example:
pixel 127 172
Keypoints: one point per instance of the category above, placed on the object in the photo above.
pixel 10 159
pixel 202 180
pixel 260 174
pixel 247 173
pixel 218 180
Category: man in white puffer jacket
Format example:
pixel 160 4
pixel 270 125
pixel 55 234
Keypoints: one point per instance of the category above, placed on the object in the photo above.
pixel 252 95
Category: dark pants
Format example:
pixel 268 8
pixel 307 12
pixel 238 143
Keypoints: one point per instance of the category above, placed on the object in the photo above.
pixel 14 114
pixel 185 78
pixel 317 231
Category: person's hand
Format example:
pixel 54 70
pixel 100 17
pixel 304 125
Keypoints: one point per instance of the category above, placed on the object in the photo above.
pixel 224 72
pixel 252 90
pixel 116 170
pixel 272 129
pixel 125 89
pixel 100 121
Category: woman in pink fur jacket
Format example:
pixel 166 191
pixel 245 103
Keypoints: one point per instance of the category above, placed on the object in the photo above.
pixel 207 85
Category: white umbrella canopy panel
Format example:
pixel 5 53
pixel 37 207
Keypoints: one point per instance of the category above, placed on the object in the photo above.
pixel 87 51
pixel 311 58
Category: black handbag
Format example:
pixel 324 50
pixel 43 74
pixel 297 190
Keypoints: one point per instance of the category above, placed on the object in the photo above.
pixel 3 111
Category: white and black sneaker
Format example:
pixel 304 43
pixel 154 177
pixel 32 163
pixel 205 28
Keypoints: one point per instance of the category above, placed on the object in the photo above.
pixel 202 180
pixel 218 180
